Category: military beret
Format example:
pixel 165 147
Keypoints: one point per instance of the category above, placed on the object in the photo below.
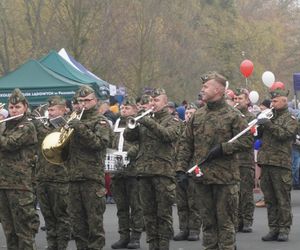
pixel 16 97
pixel 214 75
pixel 145 99
pixel 171 105
pixel 84 91
pixel 278 92
pixel 56 100
pixel 128 100
pixel 191 105
pixel 157 92
pixel 240 91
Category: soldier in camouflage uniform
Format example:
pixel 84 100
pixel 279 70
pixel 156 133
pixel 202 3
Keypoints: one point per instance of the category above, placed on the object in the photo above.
pixel 157 136
pixel 274 157
pixel 53 184
pixel 206 137
pixel 17 150
pixel 87 148
pixel 188 213
pixel 125 188
pixel 245 160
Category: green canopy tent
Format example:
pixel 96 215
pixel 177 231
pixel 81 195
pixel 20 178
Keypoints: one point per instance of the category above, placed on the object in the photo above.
pixel 59 65
pixel 37 83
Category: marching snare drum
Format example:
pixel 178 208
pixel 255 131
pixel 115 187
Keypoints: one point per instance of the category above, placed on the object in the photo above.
pixel 115 161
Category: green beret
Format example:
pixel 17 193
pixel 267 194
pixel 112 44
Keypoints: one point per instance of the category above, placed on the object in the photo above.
pixel 157 92
pixel 84 91
pixel 128 100
pixel 56 100
pixel 214 75
pixel 192 105
pixel 145 99
pixel 278 92
pixel 240 91
pixel 16 97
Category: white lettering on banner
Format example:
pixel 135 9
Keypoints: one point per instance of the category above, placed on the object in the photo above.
pixel 40 93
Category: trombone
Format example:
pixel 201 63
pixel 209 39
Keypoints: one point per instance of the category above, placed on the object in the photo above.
pixel 132 122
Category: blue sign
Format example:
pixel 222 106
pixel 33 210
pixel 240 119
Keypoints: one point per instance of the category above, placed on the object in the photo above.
pixel 296 78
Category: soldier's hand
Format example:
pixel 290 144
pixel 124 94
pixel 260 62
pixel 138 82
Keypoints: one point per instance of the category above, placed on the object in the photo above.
pixel 262 121
pixel 215 152
pixel 182 180
pixel 75 123
pixel 146 120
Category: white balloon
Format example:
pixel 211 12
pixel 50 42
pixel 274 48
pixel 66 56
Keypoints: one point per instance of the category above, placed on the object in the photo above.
pixel 253 96
pixel 268 78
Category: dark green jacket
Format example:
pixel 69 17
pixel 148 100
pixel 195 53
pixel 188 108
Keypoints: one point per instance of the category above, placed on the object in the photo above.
pixel 157 138
pixel 246 158
pixel 87 147
pixel 46 171
pixel 277 139
pixel 214 124
pixel 17 154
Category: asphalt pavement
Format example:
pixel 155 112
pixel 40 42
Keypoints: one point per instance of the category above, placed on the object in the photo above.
pixel 245 241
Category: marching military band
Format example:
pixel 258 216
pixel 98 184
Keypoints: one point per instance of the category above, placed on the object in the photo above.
pixel 60 158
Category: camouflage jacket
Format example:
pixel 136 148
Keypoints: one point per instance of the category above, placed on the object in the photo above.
pixel 87 147
pixel 277 139
pixel 17 154
pixel 216 123
pixel 46 171
pixel 246 158
pixel 130 147
pixel 157 140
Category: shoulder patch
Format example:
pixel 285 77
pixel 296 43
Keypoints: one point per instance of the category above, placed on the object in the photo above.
pixel 176 119
pixel 293 117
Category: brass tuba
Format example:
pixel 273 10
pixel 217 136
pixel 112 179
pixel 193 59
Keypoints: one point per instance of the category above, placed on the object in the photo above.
pixel 54 145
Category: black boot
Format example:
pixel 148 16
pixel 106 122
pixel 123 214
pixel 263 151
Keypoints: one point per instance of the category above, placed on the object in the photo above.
pixel 120 244
pixel 134 242
pixel 247 229
pixel 283 237
pixel 271 236
pixel 182 235
pixel 193 236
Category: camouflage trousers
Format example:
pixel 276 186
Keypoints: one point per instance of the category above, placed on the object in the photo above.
pixel 87 206
pixel 125 191
pixel 18 218
pixel 276 184
pixel 246 198
pixel 188 213
pixel 157 197
pixel 218 205
pixel 54 202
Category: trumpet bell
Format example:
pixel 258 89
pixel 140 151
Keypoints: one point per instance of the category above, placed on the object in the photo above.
pixel 53 148
pixel 131 123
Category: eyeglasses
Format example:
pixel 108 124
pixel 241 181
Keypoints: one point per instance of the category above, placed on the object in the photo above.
pixel 85 100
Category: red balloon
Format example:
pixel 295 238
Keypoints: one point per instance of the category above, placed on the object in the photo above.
pixel 277 85
pixel 246 68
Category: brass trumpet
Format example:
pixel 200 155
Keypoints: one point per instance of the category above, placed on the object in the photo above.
pixel 132 122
